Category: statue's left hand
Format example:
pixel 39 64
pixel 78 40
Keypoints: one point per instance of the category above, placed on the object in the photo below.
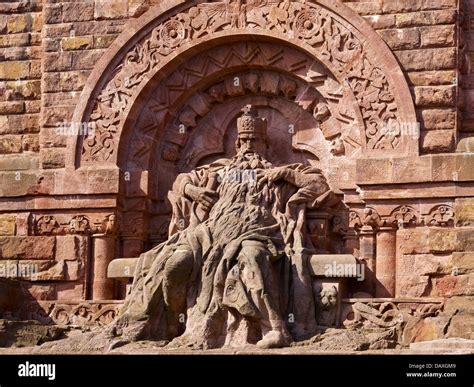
pixel 273 175
pixel 278 173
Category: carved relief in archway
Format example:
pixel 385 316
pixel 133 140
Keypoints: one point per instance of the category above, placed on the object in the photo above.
pixel 195 89
pixel 189 118
pixel 316 29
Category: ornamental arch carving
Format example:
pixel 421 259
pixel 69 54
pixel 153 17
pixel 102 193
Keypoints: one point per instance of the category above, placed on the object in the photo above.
pixel 344 45
pixel 162 99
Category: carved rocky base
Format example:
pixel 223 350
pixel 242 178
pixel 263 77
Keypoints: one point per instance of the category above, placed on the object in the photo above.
pixel 365 324
pixel 27 333
pixel 386 312
pixel 412 319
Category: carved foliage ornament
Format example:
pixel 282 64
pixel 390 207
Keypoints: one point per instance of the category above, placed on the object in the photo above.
pixel 79 224
pixel 403 216
pixel 372 218
pixel 344 53
pixel 47 225
pixel 83 314
pixel 441 215
pixel 354 220
pixel 133 226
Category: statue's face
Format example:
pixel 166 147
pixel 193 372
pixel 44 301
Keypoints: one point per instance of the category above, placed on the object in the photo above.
pixel 249 143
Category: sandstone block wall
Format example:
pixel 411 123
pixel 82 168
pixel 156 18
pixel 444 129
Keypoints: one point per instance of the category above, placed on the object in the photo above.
pixel 424 37
pixel 433 43
pixel 47 52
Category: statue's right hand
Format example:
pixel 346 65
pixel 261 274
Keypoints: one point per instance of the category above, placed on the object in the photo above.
pixel 204 196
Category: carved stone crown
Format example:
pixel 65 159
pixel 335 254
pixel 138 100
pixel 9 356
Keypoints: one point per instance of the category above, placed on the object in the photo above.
pixel 249 122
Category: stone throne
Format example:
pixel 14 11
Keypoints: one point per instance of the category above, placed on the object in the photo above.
pixel 296 71
pixel 326 285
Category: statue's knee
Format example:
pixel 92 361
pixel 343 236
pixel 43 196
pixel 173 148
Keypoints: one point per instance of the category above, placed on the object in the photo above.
pixel 257 252
pixel 179 267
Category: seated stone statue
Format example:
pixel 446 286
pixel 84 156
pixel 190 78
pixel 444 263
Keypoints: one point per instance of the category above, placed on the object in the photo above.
pixel 234 270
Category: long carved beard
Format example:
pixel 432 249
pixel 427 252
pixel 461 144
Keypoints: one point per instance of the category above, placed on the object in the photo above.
pixel 249 161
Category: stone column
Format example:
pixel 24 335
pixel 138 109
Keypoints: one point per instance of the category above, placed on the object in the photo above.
pixel 367 254
pixel 400 271
pixel 103 252
pixel 386 261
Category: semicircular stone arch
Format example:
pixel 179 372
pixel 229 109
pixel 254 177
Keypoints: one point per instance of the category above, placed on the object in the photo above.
pixel 327 31
pixel 189 93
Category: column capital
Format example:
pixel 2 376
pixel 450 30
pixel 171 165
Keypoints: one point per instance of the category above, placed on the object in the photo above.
pixel 388 228
pixel 367 230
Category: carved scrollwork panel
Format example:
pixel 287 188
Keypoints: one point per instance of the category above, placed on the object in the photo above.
pixel 339 46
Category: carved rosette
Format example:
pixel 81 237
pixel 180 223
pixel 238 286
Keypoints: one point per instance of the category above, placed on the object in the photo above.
pixel 171 34
pixel 441 215
pixel 343 52
pixel 78 224
pixel 307 25
pixel 46 225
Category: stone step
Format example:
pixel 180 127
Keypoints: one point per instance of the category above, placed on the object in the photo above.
pixel 451 344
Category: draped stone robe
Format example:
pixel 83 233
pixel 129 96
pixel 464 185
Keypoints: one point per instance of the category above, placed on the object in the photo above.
pixel 248 209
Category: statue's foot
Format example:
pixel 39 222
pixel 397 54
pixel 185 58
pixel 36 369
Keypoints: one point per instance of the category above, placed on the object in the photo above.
pixel 273 339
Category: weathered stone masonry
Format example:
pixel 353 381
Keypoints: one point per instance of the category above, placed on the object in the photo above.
pixel 70 205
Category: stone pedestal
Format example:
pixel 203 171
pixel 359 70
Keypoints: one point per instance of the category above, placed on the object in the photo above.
pixel 385 265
